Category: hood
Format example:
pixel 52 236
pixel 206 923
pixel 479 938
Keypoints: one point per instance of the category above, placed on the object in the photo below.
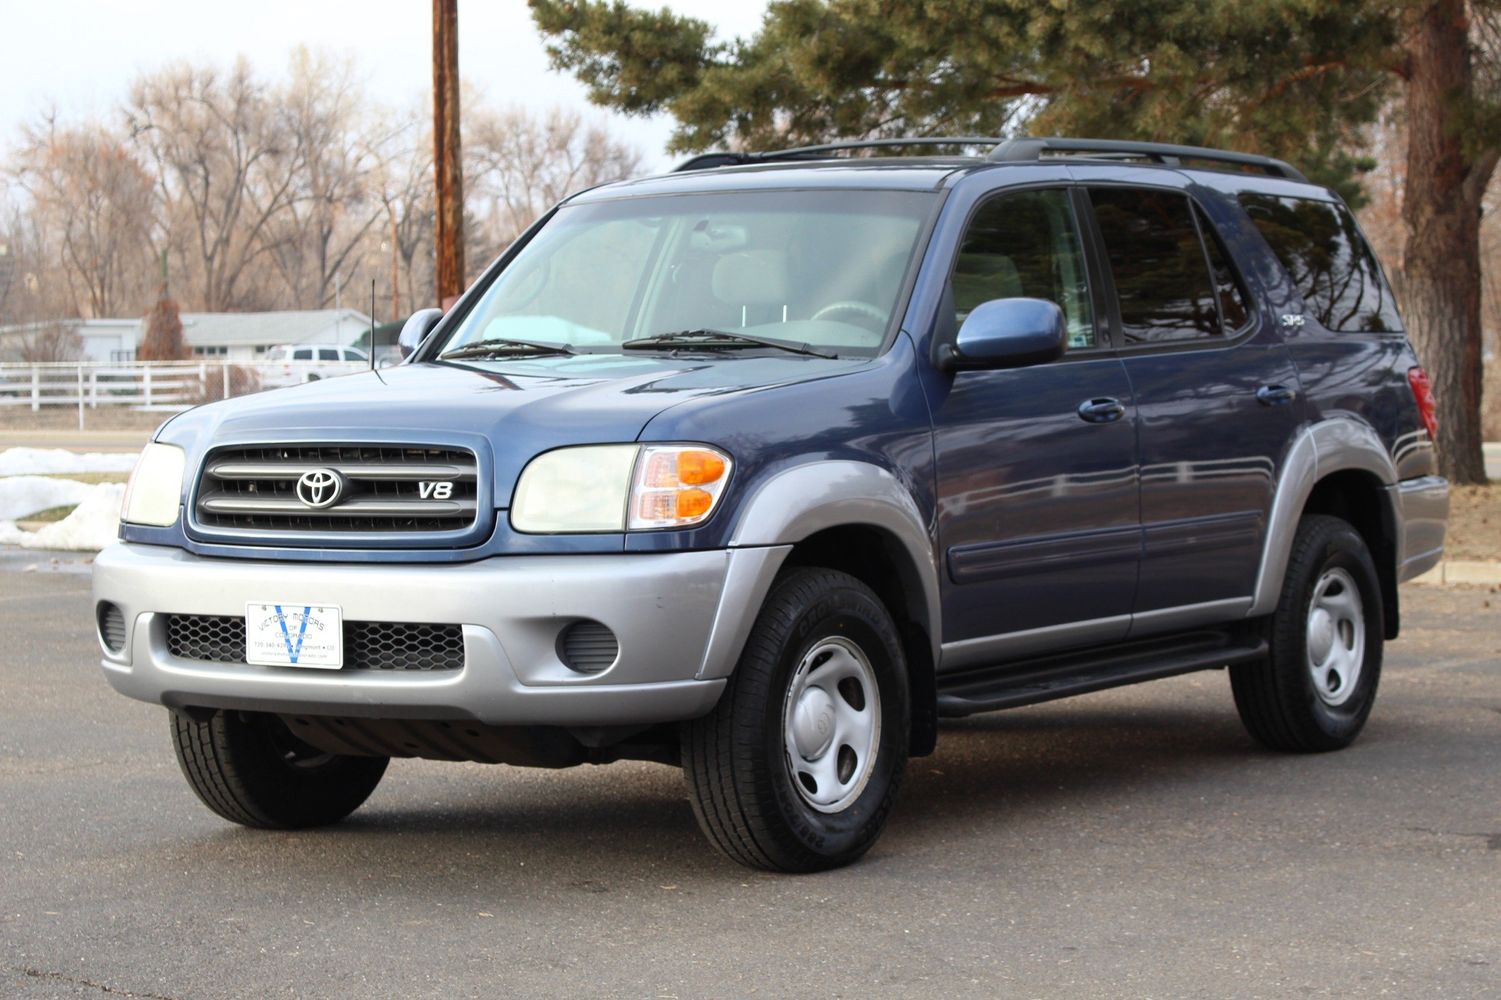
pixel 512 409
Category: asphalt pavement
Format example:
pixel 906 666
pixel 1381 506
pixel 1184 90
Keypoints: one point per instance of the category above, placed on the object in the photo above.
pixel 1133 843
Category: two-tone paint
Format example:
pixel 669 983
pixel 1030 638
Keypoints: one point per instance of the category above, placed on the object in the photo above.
pixel 1007 525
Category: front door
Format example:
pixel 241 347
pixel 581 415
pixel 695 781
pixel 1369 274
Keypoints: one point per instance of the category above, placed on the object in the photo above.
pixel 1037 515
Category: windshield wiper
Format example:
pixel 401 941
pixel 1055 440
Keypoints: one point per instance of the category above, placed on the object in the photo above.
pixel 504 347
pixel 712 340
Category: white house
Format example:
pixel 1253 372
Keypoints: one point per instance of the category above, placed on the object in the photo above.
pixel 231 336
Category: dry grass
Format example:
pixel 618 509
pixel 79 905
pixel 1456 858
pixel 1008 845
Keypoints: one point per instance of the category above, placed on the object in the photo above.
pixel 89 477
pixel 48 516
pixel 20 418
pixel 1474 523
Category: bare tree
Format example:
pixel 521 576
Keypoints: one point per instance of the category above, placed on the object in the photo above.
pixel 336 152
pixel 94 200
pixel 50 342
pixel 407 231
pixel 520 164
pixel 225 171
pixel 269 195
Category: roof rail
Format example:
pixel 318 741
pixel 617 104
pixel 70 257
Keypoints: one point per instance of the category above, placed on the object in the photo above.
pixel 707 161
pixel 1016 150
pixel 1168 154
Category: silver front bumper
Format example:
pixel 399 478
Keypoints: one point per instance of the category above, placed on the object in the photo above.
pixel 680 619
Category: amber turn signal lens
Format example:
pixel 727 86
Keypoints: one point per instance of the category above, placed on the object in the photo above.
pixel 696 468
pixel 692 503
pixel 676 485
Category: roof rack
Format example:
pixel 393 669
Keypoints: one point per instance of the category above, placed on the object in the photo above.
pixel 1018 150
pixel 708 161
pixel 1167 154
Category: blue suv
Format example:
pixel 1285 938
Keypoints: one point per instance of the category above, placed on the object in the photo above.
pixel 761 467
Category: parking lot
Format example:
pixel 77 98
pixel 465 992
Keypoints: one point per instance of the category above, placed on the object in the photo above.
pixel 1132 843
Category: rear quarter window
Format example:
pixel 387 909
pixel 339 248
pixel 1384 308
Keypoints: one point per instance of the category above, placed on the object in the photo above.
pixel 1330 263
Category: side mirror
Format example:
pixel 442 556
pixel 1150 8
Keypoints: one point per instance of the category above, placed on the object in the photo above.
pixel 415 330
pixel 1007 333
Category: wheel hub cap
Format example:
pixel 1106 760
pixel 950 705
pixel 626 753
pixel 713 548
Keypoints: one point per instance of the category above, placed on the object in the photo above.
pixel 813 723
pixel 831 724
pixel 1335 636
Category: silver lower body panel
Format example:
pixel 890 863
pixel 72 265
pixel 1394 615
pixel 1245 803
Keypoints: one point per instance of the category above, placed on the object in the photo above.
pixel 1424 503
pixel 671 613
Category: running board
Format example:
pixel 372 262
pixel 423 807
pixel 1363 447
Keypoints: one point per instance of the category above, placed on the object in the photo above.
pixel 1044 678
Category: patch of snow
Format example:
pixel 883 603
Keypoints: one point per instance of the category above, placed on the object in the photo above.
pixel 33 461
pixel 94 523
pixel 23 495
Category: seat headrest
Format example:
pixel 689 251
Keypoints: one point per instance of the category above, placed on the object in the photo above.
pixel 751 278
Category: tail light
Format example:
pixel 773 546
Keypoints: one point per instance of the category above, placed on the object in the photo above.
pixel 1422 392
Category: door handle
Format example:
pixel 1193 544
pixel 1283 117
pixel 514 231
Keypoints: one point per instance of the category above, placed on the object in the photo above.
pixel 1275 395
pixel 1101 411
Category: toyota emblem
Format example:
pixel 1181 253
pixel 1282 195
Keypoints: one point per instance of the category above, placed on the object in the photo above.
pixel 320 488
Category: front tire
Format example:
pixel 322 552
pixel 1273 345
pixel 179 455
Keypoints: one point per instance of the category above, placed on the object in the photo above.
pixel 797 767
pixel 1315 690
pixel 251 770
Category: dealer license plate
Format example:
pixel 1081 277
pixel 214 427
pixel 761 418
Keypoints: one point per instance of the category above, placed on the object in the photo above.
pixel 294 635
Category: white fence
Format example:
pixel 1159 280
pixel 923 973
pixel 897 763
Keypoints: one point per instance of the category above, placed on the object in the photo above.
pixel 151 385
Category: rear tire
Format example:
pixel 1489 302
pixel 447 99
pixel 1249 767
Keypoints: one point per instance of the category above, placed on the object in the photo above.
pixel 797 767
pixel 251 770
pixel 1316 688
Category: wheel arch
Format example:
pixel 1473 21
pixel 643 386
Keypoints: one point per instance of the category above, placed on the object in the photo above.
pixel 1338 467
pixel 860 519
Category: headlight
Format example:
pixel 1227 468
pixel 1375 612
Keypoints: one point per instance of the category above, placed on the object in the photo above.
pixel 575 489
pixel 606 488
pixel 155 489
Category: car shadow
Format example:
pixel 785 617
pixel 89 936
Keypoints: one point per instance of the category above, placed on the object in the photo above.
pixel 595 826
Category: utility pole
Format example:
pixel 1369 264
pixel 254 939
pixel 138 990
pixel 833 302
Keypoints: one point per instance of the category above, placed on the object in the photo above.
pixel 447 161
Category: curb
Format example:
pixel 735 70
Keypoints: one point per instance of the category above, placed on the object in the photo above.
pixel 1452 571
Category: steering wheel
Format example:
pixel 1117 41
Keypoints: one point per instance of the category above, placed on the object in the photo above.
pixel 854 308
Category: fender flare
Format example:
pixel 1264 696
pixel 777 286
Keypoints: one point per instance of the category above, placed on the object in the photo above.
pixel 795 504
pixel 1337 444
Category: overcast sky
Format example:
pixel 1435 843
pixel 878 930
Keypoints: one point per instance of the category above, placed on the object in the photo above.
pixel 80 56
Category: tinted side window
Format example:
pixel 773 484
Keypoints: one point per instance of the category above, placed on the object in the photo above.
pixel 1232 299
pixel 302 354
pixel 1025 244
pixel 1161 276
pixel 1328 260
pixel 328 354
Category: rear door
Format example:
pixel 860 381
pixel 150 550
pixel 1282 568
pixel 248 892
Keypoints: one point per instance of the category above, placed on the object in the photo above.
pixel 1038 499
pixel 1215 391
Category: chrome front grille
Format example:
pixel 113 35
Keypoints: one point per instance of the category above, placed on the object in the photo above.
pixel 367 645
pixel 381 488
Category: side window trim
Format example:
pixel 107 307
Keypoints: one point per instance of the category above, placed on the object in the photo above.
pixel 1105 339
pixel 1196 214
pixel 1102 281
pixel 1237 277
pixel 1101 273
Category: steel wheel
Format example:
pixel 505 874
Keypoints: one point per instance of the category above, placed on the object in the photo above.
pixel 797 767
pixel 831 724
pixel 1336 636
pixel 1315 689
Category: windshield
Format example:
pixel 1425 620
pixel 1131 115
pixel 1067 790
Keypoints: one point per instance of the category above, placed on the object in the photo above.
pixel 818 269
